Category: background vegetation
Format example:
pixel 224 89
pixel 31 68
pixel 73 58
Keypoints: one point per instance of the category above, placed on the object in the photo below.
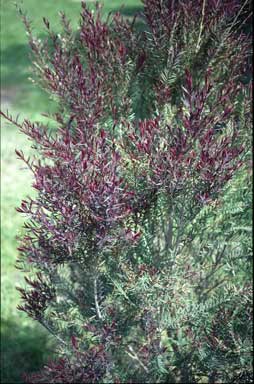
pixel 24 344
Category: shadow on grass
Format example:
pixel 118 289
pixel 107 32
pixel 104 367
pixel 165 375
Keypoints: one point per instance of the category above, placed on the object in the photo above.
pixel 23 350
pixel 15 64
pixel 129 11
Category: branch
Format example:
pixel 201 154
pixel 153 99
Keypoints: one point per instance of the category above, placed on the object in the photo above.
pixel 201 26
pixel 97 307
pixel 9 118
pixel 134 356
pixel 52 332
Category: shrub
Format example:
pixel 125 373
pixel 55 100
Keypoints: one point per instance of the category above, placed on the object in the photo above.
pixel 151 127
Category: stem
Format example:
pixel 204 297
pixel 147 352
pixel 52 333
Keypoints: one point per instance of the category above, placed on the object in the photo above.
pixel 201 26
pixel 11 120
pixel 228 33
pixel 97 307
pixel 50 330
pixel 134 356
pixel 212 377
pixel 179 230
pixel 169 233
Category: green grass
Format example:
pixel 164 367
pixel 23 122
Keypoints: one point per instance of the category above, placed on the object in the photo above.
pixel 25 345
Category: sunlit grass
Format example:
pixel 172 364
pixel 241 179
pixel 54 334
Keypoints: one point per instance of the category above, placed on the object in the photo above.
pixel 22 341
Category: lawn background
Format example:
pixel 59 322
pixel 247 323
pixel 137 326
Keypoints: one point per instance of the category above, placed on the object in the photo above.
pixel 24 344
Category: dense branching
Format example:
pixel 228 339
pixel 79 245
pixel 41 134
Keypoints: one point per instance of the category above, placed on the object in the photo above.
pixel 141 267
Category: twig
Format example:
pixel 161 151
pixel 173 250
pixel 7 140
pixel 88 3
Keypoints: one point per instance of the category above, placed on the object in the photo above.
pixel 52 332
pixel 201 26
pixel 134 356
pixel 227 34
pixel 97 307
